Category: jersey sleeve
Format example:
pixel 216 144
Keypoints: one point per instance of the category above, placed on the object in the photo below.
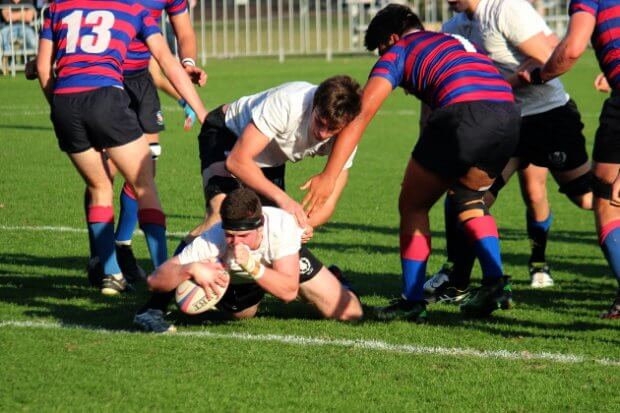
pixel 271 115
pixel 588 6
pixel 46 27
pixel 390 66
pixel 148 25
pixel 174 7
pixel 202 248
pixel 529 23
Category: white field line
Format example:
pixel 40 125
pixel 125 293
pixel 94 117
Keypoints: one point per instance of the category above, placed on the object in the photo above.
pixel 372 345
pixel 67 229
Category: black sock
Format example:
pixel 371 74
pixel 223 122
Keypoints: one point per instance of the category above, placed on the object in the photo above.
pixel 538 232
pixel 158 301
pixel 460 252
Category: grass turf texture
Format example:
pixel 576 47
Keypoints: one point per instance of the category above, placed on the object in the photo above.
pixel 42 280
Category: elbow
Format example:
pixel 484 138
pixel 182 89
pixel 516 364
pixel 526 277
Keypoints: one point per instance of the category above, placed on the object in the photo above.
pixel 574 51
pixel 154 285
pixel 290 295
pixel 232 165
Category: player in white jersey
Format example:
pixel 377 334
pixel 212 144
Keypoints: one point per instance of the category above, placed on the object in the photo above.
pixel 259 248
pixel 249 141
pixel 515 35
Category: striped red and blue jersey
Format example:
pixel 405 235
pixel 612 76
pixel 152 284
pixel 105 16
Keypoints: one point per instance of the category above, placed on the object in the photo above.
pixel 606 35
pixel 91 38
pixel 138 55
pixel 442 69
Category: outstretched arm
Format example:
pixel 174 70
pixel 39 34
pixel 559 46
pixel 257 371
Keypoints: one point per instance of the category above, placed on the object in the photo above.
pixel 321 186
pixel 171 273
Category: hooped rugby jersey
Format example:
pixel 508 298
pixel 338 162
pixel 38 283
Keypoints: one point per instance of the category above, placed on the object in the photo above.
pixel 441 70
pixel 138 55
pixel 606 35
pixel 91 38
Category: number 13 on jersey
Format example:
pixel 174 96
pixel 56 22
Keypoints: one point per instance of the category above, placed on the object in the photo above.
pixel 101 21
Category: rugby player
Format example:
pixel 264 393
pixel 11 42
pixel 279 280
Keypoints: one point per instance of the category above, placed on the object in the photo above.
pixel 597 21
pixel 248 142
pixel 259 247
pixel 464 146
pixel 514 34
pixel 82 46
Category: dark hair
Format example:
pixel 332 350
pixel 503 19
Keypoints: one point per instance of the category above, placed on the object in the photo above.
pixel 392 19
pixel 338 100
pixel 241 210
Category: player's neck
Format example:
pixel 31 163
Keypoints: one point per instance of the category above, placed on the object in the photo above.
pixel 471 9
pixel 406 32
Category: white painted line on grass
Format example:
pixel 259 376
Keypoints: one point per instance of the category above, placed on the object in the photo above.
pixel 67 229
pixel 373 345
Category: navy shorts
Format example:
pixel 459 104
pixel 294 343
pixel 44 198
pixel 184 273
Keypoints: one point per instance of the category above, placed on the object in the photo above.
pixel 607 140
pixel 99 118
pixel 470 134
pixel 215 142
pixel 553 139
pixel 145 101
pixel 241 296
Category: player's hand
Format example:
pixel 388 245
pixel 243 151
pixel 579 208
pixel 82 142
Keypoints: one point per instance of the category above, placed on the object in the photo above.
pixel 294 208
pixel 601 84
pixel 31 70
pixel 241 253
pixel 524 76
pixel 319 188
pixel 190 115
pixel 308 234
pixel 210 276
pixel 196 74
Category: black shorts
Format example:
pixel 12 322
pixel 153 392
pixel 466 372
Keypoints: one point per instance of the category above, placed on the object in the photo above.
pixel 145 101
pixel 470 134
pixel 241 296
pixel 99 119
pixel 553 139
pixel 607 140
pixel 215 141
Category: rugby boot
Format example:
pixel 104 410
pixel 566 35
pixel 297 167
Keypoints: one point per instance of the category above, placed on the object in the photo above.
pixel 492 295
pixel 129 266
pixel 540 275
pixel 114 285
pixel 614 311
pixel 401 309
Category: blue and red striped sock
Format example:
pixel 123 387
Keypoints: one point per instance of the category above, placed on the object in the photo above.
pixel 128 217
pixel 414 252
pixel 153 224
pixel 101 225
pixel 609 239
pixel 482 233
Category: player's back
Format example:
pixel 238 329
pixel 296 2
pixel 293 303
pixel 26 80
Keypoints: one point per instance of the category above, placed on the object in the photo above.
pixel 605 40
pixel 138 54
pixel 91 39
pixel 442 69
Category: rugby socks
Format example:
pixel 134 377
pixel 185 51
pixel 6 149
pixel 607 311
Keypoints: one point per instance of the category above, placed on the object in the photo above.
pixel 91 236
pixel 153 224
pixel 414 253
pixel 460 251
pixel 101 224
pixel 180 247
pixel 609 239
pixel 128 216
pixel 158 301
pixel 482 233
pixel 538 232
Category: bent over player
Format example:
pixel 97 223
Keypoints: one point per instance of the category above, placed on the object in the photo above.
pixel 86 41
pixel 466 143
pixel 259 247
pixel 597 21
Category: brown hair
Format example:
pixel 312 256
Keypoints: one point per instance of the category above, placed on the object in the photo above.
pixel 241 210
pixel 338 100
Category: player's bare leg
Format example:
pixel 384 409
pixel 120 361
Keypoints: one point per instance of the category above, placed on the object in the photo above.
pixel 330 297
pixel 249 312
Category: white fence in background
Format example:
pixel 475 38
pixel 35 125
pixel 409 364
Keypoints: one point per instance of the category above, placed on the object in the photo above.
pixel 280 28
pixel 15 34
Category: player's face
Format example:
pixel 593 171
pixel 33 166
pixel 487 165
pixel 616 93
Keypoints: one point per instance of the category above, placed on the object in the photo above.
pixel 459 6
pixel 320 129
pixel 250 238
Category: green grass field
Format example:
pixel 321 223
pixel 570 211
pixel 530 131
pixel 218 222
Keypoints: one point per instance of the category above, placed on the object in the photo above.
pixel 64 347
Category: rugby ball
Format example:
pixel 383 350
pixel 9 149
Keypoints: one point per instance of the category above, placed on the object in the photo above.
pixel 191 298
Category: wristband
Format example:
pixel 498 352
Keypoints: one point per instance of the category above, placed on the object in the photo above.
pixel 258 273
pixel 535 77
pixel 188 61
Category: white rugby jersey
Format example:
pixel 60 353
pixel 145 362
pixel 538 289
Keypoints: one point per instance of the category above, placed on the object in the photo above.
pixel 498 27
pixel 281 238
pixel 283 114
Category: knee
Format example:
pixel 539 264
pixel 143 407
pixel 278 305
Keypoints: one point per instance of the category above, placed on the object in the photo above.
pixel 583 201
pixel 353 311
pixel 245 314
pixel 467 203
